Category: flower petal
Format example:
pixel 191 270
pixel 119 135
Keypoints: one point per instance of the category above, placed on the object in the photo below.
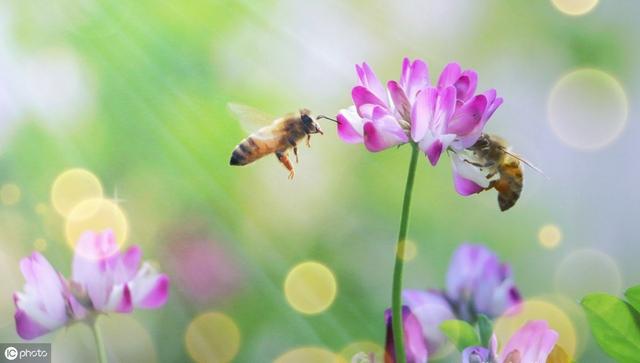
pixel 149 289
pixel 468 116
pixel 414 78
pixel 369 80
pixel 422 113
pixel 476 355
pixel 27 327
pixel 365 101
pixel 431 308
pixel 350 126
pixel 449 75
pixel 466 85
pixel 414 343
pixel 465 187
pixel 383 132
pixel 534 342
pixel 399 99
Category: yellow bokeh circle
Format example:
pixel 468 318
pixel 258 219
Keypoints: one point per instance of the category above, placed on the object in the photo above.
pixel 587 109
pixel 10 194
pixel 212 338
pixel 310 355
pixel 73 187
pixel 575 7
pixel 550 236
pixel 310 287
pixel 410 250
pixel 538 309
pixel 96 215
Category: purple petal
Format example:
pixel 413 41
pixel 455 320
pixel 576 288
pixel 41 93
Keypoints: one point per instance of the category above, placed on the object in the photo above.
pixel 534 342
pixel 414 343
pixel 430 308
pixel 422 113
pixel 131 261
pixel 383 132
pixel 350 126
pixel 149 289
pixel 28 328
pixel 465 187
pixel 476 355
pixel 466 85
pixel 449 75
pixel 369 80
pixel 418 78
pixel 400 100
pixel 445 106
pixel 468 116
pixel 365 101
pixel 434 151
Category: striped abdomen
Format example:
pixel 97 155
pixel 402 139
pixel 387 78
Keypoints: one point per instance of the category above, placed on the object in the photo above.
pixel 253 148
pixel 509 186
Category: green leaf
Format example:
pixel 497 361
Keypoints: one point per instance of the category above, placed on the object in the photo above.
pixel 485 328
pixel 614 325
pixel 633 295
pixel 460 333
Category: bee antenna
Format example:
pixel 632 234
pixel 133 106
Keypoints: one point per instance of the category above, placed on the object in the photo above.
pixel 327 118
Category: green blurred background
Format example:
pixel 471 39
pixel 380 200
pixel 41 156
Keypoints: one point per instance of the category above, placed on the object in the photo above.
pixel 137 92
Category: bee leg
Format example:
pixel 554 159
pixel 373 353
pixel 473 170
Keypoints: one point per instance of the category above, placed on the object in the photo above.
pixel 295 148
pixel 295 152
pixel 284 159
pixel 308 140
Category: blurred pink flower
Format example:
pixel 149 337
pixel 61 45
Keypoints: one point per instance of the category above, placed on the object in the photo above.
pixel 45 304
pixel 479 283
pixel 110 282
pixel 447 115
pixel 530 344
pixel 203 270
pixel 114 281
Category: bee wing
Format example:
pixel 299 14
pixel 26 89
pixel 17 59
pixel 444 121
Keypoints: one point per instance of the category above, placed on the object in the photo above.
pixel 250 118
pixel 528 163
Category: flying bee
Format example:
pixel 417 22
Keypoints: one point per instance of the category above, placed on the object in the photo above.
pixel 282 134
pixel 504 170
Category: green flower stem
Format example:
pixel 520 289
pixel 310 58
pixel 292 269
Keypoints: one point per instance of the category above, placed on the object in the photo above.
pixel 102 353
pixel 396 297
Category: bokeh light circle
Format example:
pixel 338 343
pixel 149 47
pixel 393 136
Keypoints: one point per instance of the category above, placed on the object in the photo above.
pixel 588 109
pixel 538 309
pixel 96 215
pixel 575 7
pixel 410 250
pixel 72 187
pixel 587 270
pixel 310 355
pixel 310 287
pixel 10 194
pixel 549 236
pixel 347 353
pixel 212 338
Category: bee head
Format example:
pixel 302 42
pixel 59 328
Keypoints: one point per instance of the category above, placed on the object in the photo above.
pixel 310 126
